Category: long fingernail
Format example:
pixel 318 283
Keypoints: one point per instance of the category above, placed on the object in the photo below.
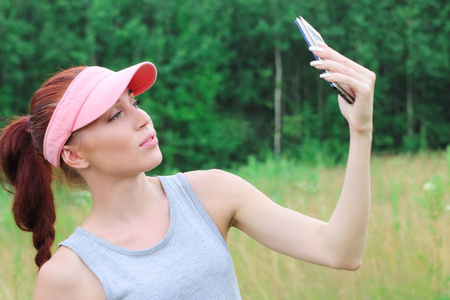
pixel 325 75
pixel 316 63
pixel 316 49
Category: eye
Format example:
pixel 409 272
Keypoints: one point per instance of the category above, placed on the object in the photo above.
pixel 116 116
pixel 137 103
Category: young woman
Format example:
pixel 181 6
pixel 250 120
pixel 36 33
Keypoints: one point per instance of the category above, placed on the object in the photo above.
pixel 163 237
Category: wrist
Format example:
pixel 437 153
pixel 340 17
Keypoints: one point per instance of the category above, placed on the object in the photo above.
pixel 365 133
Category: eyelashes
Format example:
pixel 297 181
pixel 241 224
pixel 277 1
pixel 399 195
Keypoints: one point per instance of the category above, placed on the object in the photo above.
pixel 115 117
pixel 120 113
pixel 137 103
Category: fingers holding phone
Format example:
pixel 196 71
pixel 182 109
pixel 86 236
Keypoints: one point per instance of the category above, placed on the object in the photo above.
pixel 343 70
pixel 358 81
pixel 354 83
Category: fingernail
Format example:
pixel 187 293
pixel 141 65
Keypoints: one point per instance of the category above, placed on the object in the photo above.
pixel 314 48
pixel 316 63
pixel 321 43
pixel 325 75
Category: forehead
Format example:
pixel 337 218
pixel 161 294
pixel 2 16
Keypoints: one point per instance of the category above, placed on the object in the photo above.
pixel 125 95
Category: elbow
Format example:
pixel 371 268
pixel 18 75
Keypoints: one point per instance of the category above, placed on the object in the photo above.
pixel 348 265
pixel 354 266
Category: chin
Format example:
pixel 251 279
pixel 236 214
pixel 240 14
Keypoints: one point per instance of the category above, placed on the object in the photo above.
pixel 155 161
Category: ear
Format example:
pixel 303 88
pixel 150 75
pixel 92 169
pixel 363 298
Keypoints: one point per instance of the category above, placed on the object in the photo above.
pixel 73 157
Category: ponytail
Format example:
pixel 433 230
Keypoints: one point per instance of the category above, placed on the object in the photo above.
pixel 25 168
pixel 31 176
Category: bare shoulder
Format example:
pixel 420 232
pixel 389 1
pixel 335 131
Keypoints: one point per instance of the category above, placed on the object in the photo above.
pixel 214 181
pixel 65 276
pixel 219 185
pixel 219 191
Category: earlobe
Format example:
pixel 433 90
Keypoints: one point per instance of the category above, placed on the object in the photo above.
pixel 74 158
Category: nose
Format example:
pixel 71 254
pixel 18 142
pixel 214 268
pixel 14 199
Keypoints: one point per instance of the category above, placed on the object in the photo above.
pixel 143 119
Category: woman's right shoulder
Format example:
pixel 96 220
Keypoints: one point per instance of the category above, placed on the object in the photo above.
pixel 66 276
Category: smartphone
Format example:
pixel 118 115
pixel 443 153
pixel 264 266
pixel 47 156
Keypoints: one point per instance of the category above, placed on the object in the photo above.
pixel 313 38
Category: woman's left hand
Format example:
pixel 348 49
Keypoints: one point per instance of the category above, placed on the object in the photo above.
pixel 355 79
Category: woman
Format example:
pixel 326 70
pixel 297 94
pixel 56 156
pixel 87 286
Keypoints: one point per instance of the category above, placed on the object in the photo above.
pixel 163 237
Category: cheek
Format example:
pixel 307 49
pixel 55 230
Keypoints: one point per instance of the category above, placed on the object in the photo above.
pixel 112 158
pixel 107 146
pixel 111 147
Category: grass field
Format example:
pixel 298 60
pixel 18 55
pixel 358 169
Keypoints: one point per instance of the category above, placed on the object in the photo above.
pixel 407 254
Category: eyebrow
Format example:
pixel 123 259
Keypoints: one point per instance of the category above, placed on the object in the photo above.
pixel 129 93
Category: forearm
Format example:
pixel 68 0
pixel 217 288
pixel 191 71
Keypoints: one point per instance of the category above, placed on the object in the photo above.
pixel 346 232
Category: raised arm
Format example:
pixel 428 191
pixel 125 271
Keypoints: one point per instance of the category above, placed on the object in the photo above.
pixel 338 243
pixel 347 228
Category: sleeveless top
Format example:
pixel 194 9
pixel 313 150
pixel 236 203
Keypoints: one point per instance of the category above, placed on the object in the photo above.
pixel 192 261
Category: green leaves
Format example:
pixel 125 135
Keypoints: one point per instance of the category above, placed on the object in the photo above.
pixel 213 101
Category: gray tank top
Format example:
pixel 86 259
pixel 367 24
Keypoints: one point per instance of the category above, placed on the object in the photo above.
pixel 191 262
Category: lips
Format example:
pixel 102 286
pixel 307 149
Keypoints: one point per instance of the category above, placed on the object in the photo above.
pixel 150 140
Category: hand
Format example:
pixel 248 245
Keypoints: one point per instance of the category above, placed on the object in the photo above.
pixel 355 79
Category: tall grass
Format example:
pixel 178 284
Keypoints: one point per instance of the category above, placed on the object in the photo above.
pixel 408 249
pixel 407 253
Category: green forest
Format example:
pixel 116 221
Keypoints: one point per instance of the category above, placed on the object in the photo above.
pixel 220 63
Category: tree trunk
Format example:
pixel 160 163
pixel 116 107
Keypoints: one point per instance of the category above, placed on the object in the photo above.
pixel 410 105
pixel 278 79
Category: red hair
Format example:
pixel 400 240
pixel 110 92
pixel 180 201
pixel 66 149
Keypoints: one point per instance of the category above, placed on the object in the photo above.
pixel 25 168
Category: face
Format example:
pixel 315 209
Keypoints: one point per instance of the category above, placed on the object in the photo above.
pixel 122 142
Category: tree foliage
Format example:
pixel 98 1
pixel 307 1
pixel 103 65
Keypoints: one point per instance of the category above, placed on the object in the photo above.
pixel 213 101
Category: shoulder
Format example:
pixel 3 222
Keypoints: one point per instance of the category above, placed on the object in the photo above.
pixel 220 192
pixel 215 181
pixel 206 174
pixel 65 276
pixel 220 185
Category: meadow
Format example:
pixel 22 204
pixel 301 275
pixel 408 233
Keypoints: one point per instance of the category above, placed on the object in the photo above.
pixel 407 253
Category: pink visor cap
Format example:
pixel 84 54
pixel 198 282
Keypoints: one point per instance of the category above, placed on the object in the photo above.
pixel 90 95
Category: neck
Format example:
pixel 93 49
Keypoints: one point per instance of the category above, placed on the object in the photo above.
pixel 121 201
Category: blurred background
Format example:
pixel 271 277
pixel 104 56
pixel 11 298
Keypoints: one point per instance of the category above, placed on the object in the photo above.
pixel 214 101
pixel 235 91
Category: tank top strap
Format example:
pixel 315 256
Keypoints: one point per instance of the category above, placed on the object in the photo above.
pixel 183 196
